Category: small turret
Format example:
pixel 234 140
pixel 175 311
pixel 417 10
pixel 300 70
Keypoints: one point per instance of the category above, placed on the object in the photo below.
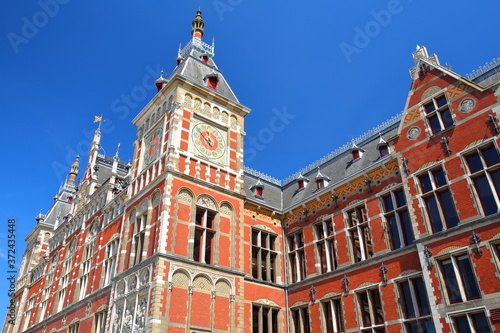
pixel 160 82
pixel 74 171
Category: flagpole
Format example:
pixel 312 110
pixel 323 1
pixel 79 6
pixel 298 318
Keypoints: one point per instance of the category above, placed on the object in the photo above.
pixel 99 127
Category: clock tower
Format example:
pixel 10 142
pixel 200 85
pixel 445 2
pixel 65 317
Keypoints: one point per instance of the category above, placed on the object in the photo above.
pixel 194 125
pixel 186 212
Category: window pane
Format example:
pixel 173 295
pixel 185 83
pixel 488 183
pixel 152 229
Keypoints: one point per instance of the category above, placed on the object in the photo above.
pixel 407 299
pixel 439 178
pixel 485 195
pixel 435 125
pixel 255 255
pixel 425 181
pixel 429 107
pixel 396 240
pixel 407 227
pixel 377 305
pixel 365 309
pixel 471 288
pixel 412 327
pixel 432 208
pixel 327 312
pixel 388 204
pixel 446 118
pixel 428 326
pixel 255 319
pixel 441 101
pixel 400 198
pixel 495 176
pixel 448 209
pixel 491 156
pixel 480 323
pixel 451 281
pixel 475 163
pixel 423 303
pixel 462 324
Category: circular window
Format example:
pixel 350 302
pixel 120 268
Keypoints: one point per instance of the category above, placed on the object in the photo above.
pixel 413 133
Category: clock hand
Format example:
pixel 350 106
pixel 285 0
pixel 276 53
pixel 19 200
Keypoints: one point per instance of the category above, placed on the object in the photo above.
pixel 208 139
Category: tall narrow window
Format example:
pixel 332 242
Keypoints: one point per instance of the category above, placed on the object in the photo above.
pixel 359 233
pixel 325 245
pixel 265 319
pixel 472 322
pixel 296 256
pixel 484 170
pixel 264 255
pixel 459 278
pixel 370 311
pixel 438 201
pixel 438 114
pixel 398 219
pixel 139 238
pixel 333 316
pixel 110 261
pixel 100 322
pixel 204 236
pixel 416 309
pixel 73 328
pixel 300 320
pixel 85 268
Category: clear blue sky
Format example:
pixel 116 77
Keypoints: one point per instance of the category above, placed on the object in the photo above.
pixel 337 68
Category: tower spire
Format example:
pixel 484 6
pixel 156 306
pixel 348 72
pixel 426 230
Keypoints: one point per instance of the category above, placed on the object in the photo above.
pixel 197 25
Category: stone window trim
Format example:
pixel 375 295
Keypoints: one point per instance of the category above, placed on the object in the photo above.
pixel 373 299
pixel 399 214
pixel 437 114
pixel 418 318
pixel 300 317
pixel 437 218
pixel 486 172
pixel 295 245
pixel 325 245
pixel 450 316
pixel 265 252
pixel 357 224
pixel 332 314
pixel 464 286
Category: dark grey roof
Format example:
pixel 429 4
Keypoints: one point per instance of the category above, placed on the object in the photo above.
pixel 105 165
pixel 195 70
pixel 487 75
pixel 334 168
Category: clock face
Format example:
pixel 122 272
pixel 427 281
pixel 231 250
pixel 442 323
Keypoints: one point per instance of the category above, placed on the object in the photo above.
pixel 152 145
pixel 208 141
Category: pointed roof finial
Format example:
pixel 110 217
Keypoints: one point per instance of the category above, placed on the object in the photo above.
pixel 74 171
pixel 197 25
pixel 118 149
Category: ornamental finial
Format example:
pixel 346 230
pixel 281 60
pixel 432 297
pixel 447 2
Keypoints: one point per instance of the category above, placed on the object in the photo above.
pixel 197 25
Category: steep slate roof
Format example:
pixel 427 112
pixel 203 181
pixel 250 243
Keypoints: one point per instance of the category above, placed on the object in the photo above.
pixel 337 166
pixel 195 70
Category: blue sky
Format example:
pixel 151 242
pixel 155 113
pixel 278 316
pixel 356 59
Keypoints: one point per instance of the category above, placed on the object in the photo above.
pixel 334 68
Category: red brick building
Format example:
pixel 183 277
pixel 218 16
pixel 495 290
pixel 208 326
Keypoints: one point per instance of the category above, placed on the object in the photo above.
pixel 396 232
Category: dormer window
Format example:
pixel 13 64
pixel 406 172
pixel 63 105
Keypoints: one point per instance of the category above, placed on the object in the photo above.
pixel 383 150
pixel 321 180
pixel 301 182
pixel 356 152
pixel 212 81
pixel 258 189
pixel 383 147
